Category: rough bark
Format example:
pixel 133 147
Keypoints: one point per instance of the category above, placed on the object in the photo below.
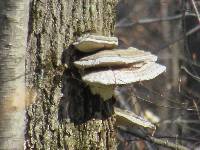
pixel 13 37
pixel 73 118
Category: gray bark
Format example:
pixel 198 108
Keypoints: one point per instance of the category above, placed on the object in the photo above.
pixel 13 37
pixel 78 119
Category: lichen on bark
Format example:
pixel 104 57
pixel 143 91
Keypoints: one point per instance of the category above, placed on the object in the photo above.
pixel 73 118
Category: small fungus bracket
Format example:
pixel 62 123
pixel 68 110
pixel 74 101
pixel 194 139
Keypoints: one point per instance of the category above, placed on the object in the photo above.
pixel 90 43
pixel 128 118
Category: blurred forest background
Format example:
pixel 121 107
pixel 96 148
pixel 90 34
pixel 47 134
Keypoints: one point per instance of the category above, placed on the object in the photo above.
pixel 169 29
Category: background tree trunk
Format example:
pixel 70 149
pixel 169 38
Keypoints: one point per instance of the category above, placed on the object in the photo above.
pixel 13 37
pixel 74 119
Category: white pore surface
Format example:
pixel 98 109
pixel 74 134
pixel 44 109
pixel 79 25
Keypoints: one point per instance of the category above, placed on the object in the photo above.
pixel 105 92
pixel 115 57
pixel 90 43
pixel 125 75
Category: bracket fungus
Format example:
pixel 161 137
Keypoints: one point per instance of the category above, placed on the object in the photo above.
pixel 91 43
pixel 103 82
pixel 115 57
pixel 122 76
pixel 125 117
pixel 108 68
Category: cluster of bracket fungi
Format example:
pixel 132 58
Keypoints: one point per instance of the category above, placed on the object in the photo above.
pixel 106 67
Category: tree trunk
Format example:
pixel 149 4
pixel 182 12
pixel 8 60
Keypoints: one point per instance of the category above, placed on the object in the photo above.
pixel 73 118
pixel 13 37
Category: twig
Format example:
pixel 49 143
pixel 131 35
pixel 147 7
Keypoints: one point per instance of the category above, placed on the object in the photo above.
pixel 168 107
pixel 188 128
pixel 189 61
pixel 197 78
pixel 122 24
pixel 193 30
pixel 177 137
pixel 196 106
pixel 168 144
pixel 164 143
pixel 192 93
pixel 147 20
pixel 180 121
pixel 196 10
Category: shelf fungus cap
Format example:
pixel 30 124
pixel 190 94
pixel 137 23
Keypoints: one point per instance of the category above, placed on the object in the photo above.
pixel 91 43
pixel 115 57
pixel 124 117
pixel 103 82
pixel 124 75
